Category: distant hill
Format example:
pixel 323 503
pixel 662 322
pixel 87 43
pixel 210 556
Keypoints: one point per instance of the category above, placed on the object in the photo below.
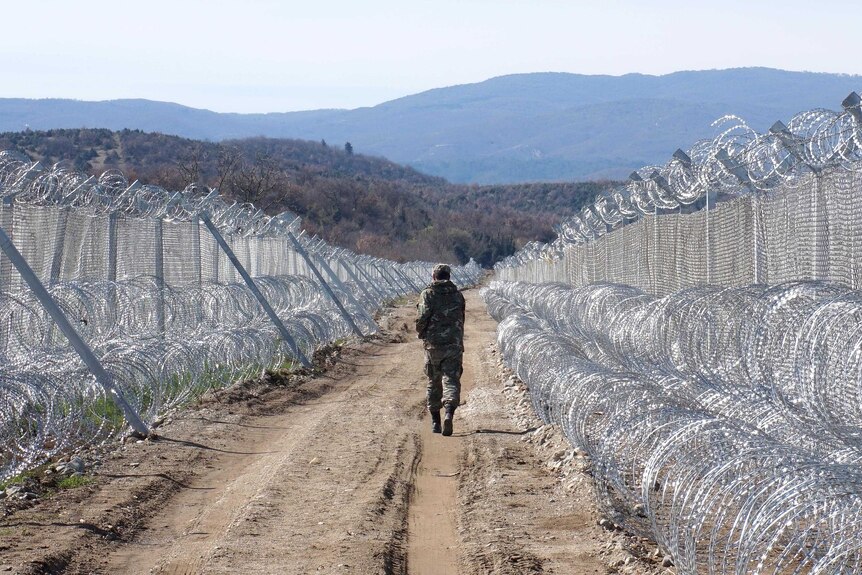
pixel 518 128
pixel 367 204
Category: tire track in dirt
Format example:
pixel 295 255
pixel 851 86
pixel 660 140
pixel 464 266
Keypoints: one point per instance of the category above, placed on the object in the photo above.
pixel 337 473
pixel 323 487
pixel 435 543
pixel 433 537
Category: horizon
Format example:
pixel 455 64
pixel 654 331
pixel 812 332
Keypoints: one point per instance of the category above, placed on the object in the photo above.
pixel 262 56
pixel 429 89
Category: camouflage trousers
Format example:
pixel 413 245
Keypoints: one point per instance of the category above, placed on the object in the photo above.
pixel 443 368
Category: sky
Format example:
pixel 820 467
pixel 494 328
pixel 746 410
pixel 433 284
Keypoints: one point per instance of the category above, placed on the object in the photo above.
pixel 279 56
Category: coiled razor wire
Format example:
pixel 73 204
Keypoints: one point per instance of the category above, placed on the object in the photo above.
pixel 48 393
pixel 724 423
pixel 163 340
pixel 819 149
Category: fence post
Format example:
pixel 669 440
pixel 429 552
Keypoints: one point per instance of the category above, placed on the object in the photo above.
pixel 407 280
pixel 160 275
pixel 391 279
pixel 758 260
pixel 112 247
pixel 360 267
pixel 355 279
pixel 57 258
pixel 337 281
pixel 80 346
pixel 708 251
pixel 461 277
pixel 285 335
pixel 6 221
pixel 324 285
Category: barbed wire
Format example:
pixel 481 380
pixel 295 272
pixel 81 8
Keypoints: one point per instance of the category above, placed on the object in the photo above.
pixel 709 426
pixel 737 161
pixel 112 193
pixel 163 339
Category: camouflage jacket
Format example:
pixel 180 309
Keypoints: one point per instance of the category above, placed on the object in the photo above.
pixel 441 315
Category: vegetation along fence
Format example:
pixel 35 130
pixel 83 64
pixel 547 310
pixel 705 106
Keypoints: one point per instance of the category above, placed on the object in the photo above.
pixel 120 301
pixel 698 333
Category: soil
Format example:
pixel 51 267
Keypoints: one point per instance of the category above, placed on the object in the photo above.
pixel 333 470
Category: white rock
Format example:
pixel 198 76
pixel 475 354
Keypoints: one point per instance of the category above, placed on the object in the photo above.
pixel 76 465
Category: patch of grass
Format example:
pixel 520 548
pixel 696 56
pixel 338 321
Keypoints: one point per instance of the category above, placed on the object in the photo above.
pixel 74 481
pixel 104 410
pixel 22 478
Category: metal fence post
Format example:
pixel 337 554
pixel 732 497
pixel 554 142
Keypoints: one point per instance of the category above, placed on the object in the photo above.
pixel 374 284
pixel 160 275
pixel 407 279
pixel 708 251
pixel 410 285
pixel 6 219
pixel 80 346
pixel 355 279
pixel 820 263
pixel 338 283
pixel 758 258
pixel 285 335
pixel 392 280
pixel 323 284
pixel 57 258
pixel 112 247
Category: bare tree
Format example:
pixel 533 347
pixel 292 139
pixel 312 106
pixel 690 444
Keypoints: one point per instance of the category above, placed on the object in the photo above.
pixel 258 182
pixel 190 167
pixel 228 162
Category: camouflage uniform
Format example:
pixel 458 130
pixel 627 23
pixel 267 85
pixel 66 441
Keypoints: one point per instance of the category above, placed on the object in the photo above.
pixel 441 325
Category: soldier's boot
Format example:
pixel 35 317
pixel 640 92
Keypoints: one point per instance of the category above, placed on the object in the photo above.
pixel 435 421
pixel 447 420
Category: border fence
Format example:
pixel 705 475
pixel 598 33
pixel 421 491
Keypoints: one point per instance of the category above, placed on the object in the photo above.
pixel 120 301
pixel 698 333
pixel 743 208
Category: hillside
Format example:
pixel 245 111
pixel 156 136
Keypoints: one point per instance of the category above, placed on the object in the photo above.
pixel 518 128
pixel 367 204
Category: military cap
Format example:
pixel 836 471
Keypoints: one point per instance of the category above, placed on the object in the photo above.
pixel 441 269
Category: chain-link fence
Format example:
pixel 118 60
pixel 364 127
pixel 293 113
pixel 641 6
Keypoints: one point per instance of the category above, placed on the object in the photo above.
pixel 811 230
pixel 740 209
pixel 698 332
pixel 119 302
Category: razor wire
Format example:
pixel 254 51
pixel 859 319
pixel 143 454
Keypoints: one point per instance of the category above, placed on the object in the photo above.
pixel 722 422
pixel 744 207
pixel 148 289
pixel 697 331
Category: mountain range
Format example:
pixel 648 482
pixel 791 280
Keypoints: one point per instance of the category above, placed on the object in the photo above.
pixel 517 128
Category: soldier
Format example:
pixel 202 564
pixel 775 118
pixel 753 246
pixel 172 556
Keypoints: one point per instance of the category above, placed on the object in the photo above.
pixel 441 326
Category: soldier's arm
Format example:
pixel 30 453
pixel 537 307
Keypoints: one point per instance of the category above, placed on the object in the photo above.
pixel 425 311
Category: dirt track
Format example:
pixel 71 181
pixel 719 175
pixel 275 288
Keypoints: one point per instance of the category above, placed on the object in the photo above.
pixel 336 473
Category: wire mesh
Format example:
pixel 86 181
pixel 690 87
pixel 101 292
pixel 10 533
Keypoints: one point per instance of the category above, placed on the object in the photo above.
pixel 704 347
pixel 741 208
pixel 150 291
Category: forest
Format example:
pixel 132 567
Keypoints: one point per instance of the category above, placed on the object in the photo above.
pixel 364 203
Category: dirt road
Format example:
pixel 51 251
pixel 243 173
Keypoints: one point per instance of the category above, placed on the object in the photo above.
pixel 334 473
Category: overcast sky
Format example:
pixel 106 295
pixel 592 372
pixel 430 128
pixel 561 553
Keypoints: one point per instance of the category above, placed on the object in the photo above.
pixel 277 56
